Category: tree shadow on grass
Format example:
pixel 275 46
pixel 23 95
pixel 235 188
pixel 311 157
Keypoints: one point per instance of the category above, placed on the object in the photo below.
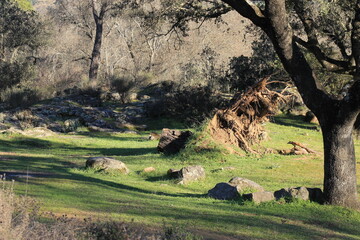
pixel 247 217
pixel 293 121
pixel 31 144
pixel 112 136
pixel 248 220
pixel 316 217
pixel 164 177
pixel 21 167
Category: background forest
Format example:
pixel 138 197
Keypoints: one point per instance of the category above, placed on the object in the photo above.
pixel 52 49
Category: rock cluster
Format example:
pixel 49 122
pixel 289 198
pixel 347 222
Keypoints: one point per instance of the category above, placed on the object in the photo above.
pixel 302 193
pixel 66 114
pixel 237 186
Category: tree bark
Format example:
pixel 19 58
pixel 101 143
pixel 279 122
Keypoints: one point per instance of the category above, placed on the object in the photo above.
pixel 96 52
pixel 340 186
pixel 99 17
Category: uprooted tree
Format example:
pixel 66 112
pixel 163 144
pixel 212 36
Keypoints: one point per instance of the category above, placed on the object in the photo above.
pixel 240 124
pixel 327 31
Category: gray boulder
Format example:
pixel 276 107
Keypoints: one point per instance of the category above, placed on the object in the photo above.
pixel 259 197
pixel 243 185
pixel 106 163
pixel 192 173
pixel 233 189
pixel 187 174
pixel 224 191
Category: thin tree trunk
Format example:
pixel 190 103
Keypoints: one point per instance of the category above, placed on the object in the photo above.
pixel 96 53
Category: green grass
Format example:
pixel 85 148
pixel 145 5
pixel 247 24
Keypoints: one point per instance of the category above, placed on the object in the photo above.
pixel 151 198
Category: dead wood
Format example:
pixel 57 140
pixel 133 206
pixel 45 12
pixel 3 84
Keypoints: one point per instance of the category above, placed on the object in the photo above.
pixel 301 146
pixel 298 149
pixel 241 123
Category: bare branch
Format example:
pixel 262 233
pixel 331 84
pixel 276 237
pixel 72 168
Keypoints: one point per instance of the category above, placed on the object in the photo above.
pixel 248 10
pixel 328 63
pixel 313 44
pixel 354 91
pixel 281 34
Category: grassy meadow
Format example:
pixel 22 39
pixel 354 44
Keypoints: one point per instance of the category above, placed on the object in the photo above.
pixel 152 199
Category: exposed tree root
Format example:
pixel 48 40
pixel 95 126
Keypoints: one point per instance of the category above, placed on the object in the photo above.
pixel 241 123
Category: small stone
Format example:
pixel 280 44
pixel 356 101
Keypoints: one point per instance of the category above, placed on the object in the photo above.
pixel 149 169
pixel 145 97
pixel 223 169
pixel 133 96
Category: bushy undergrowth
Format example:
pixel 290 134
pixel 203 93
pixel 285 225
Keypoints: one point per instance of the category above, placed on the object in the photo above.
pixel 178 233
pixel 19 219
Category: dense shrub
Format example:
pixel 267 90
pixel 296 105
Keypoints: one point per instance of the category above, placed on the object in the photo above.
pixel 123 86
pixel 20 97
pixel 14 73
pixel 190 104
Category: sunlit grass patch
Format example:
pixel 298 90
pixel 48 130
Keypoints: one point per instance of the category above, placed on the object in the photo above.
pixel 152 198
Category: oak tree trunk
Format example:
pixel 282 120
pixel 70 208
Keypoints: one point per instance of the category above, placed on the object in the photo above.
pixel 339 164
